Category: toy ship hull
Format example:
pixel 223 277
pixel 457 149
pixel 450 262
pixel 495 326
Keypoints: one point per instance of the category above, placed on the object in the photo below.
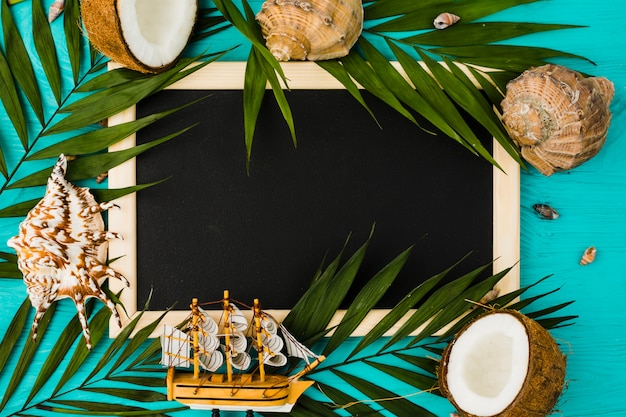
pixel 245 392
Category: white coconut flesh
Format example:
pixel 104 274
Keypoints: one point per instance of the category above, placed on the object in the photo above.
pixel 156 31
pixel 488 364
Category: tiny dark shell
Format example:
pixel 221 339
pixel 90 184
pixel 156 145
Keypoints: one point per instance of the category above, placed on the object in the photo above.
pixel 546 212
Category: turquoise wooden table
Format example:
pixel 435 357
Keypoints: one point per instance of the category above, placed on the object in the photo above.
pixel 591 200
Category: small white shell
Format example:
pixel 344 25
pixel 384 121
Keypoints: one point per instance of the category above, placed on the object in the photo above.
pixel 313 30
pixel 56 8
pixel 445 20
pixel 61 248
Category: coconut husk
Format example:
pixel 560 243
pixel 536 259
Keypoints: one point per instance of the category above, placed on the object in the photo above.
pixel 104 30
pixel 544 379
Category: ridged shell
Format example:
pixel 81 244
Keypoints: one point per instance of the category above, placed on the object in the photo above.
pixel 62 247
pixel 558 118
pixel 313 30
pixel 445 20
pixel 588 256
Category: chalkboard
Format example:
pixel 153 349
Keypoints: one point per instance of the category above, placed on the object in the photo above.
pixel 262 234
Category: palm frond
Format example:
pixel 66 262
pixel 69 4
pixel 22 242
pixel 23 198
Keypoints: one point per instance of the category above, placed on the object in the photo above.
pixel 25 359
pixel 72 124
pixel 111 366
pixel 468 43
pixel 401 360
pixel 19 61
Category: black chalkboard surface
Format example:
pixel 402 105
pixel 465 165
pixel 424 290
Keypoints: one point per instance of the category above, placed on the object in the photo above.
pixel 213 226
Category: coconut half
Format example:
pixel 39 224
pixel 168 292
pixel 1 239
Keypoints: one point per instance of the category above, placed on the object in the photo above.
pixel 143 35
pixel 502 364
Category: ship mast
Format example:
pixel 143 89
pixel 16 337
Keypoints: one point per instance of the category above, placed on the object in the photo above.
pixel 194 328
pixel 227 332
pixel 259 338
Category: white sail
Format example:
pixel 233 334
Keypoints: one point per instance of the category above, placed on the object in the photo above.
pixel 211 362
pixel 295 348
pixel 209 340
pixel 272 346
pixel 208 324
pixel 269 325
pixel 210 358
pixel 175 347
pixel 277 359
pixel 241 360
pixel 238 342
pixel 238 320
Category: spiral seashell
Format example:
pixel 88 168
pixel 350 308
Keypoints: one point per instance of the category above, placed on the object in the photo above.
pixel 546 212
pixel 55 10
pixel 588 256
pixel 445 20
pixel 313 30
pixel 558 118
pixel 61 249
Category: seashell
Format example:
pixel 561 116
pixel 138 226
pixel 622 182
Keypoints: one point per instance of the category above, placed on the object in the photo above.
pixel 314 29
pixel 62 246
pixel 55 10
pixel 445 20
pixel 486 299
pixel 546 212
pixel 490 296
pixel 558 118
pixel 588 256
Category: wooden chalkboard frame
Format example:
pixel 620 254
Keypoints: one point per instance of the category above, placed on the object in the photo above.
pixel 301 75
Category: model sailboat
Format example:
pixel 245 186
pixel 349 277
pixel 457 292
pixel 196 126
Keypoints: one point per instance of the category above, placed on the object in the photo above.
pixel 221 350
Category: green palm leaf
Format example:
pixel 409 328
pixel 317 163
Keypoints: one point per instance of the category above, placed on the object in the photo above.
pixel 450 120
pixel 366 300
pixel 11 102
pixel 10 270
pixel 253 91
pixel 360 70
pixel 13 332
pixel 338 397
pixel 430 8
pixel 94 408
pixel 93 165
pixel 417 362
pixel 65 341
pixel 401 309
pixel 337 70
pixel 101 139
pixel 17 57
pixel 465 42
pixel 25 359
pixel 324 297
pixel 105 103
pixel 392 402
pixel 98 327
pixel 46 49
pixel 117 353
pixel 418 380
pixel 72 29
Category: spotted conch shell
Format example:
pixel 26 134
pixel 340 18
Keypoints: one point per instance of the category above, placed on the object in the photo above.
pixel 62 247
pixel 313 29
pixel 558 118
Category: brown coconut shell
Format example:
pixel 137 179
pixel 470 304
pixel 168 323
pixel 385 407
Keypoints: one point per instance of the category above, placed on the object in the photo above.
pixel 104 30
pixel 545 377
